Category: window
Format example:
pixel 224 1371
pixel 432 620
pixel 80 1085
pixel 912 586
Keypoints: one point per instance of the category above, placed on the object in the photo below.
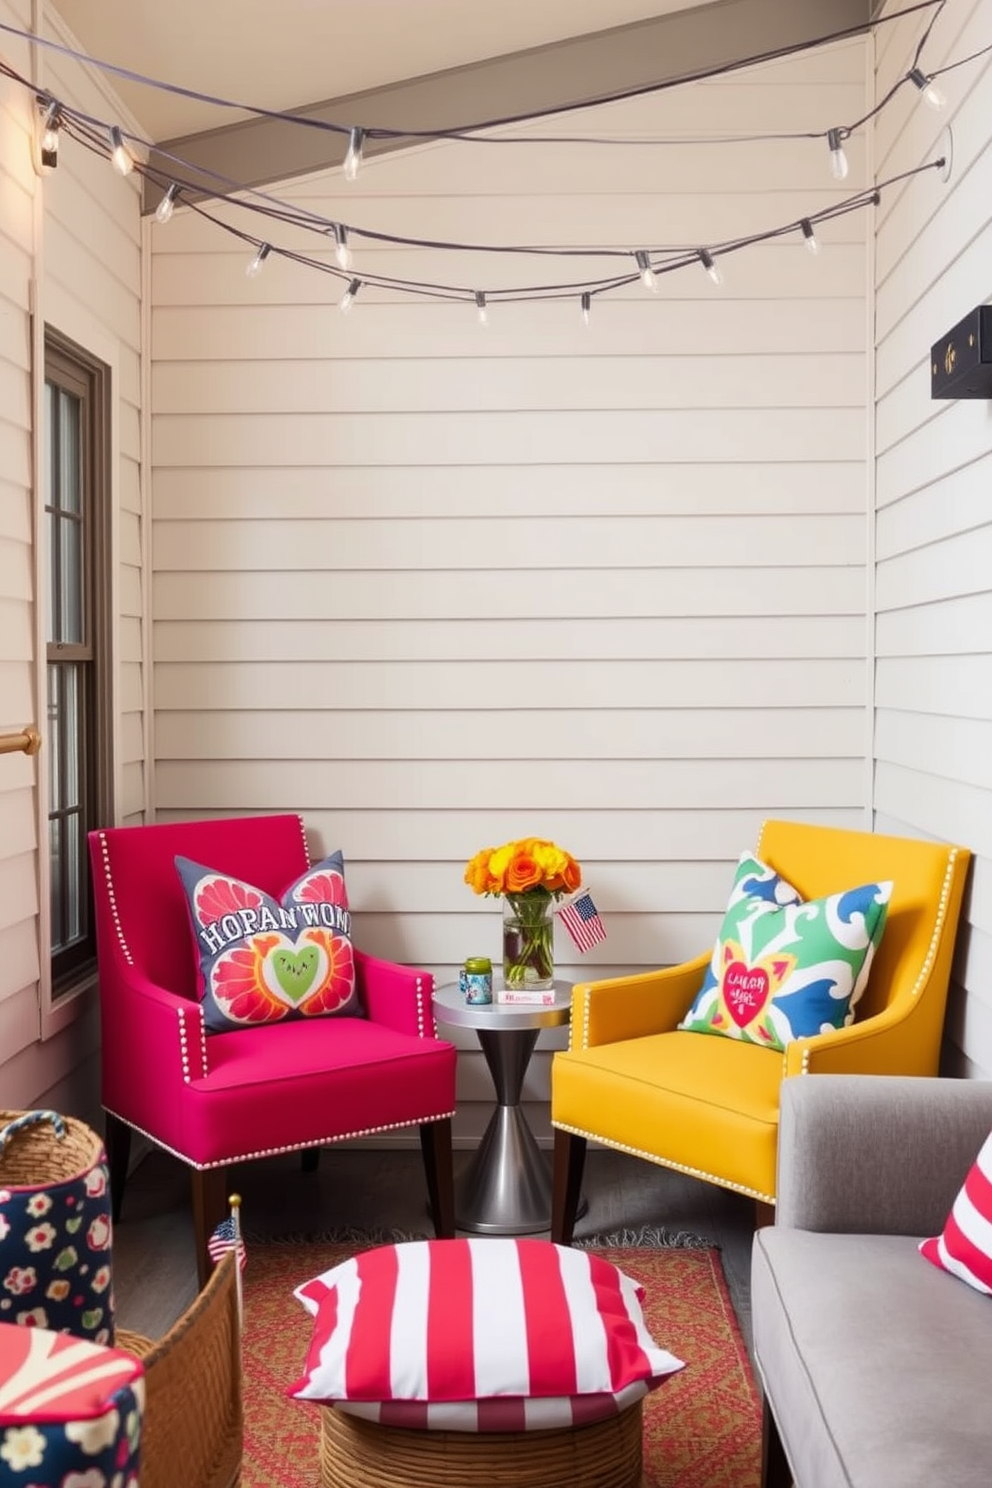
pixel 78 655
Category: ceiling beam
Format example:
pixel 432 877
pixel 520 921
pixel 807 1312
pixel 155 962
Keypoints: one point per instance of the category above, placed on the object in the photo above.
pixel 563 75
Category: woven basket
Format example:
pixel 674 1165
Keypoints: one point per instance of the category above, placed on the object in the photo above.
pixel 362 1454
pixel 57 1235
pixel 39 1148
pixel 194 1425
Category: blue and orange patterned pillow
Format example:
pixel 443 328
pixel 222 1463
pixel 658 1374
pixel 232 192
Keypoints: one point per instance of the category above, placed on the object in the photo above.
pixel 785 968
pixel 266 960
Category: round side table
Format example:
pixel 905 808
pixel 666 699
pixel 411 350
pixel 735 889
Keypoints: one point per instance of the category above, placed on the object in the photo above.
pixel 507 1188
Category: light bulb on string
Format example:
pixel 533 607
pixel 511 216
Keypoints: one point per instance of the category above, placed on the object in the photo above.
pixel 353 159
pixel 481 307
pixel 120 156
pixel 809 236
pixel 838 160
pixel 645 270
pixel 49 147
pixel 348 298
pixel 706 259
pixel 931 93
pixel 166 206
pixel 585 304
pixel 255 267
pixel 342 251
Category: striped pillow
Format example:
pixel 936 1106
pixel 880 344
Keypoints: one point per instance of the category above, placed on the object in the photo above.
pixel 478 1334
pixel 964 1246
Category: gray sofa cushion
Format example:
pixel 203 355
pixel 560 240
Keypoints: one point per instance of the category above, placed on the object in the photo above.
pixel 877 1363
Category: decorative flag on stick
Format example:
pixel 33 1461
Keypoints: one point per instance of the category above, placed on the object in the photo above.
pixel 227 1236
pixel 581 919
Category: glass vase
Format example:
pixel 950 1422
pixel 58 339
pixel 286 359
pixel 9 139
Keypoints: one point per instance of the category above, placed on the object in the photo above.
pixel 528 941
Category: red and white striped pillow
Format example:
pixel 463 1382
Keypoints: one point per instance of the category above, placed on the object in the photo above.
pixel 964 1246
pixel 478 1334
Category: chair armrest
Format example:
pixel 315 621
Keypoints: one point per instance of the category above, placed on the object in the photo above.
pixel 634 1006
pixel 398 997
pixel 888 1043
pixel 876 1154
pixel 141 1015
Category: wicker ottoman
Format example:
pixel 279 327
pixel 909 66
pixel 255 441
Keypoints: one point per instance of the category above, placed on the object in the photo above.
pixel 355 1453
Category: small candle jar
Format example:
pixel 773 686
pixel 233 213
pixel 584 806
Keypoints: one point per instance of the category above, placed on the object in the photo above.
pixel 476 980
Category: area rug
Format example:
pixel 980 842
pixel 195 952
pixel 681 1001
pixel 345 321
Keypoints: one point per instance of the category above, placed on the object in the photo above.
pixel 702 1428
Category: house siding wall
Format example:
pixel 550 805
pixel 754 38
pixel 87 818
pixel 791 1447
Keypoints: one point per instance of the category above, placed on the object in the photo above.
pixel 70 257
pixel 933 532
pixel 435 586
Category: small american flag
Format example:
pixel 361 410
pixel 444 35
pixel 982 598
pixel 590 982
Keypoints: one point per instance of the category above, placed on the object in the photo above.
pixel 581 920
pixel 227 1236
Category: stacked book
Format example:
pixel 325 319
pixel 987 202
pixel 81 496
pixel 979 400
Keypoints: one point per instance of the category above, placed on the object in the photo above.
pixel 524 996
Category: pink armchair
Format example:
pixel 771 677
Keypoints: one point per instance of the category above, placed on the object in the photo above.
pixel 283 1087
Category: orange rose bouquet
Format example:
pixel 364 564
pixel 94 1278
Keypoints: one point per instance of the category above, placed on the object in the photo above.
pixel 529 874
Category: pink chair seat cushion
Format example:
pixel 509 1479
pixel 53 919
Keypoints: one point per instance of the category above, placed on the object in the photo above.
pixel 299 1084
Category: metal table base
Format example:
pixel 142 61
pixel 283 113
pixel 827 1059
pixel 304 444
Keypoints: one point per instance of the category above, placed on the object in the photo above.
pixel 506 1189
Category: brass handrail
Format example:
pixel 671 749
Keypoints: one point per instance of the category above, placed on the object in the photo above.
pixel 28 741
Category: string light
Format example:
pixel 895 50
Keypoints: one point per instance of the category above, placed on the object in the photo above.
pixel 645 270
pixel 585 303
pixel 166 206
pixel 353 159
pixel 348 298
pixel 342 252
pixel 86 131
pixel 838 159
pixel 931 93
pixel 706 259
pixel 49 148
pixel 812 243
pixel 481 307
pixel 255 267
pixel 122 160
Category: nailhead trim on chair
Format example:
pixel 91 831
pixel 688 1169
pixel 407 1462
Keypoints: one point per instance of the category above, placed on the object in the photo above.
pixel 194 1012
pixel 661 1162
pixel 236 1157
pixel 112 897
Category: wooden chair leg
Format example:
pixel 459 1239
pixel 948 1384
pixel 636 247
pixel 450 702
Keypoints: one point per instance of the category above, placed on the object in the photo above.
pixel 435 1144
pixel 764 1214
pixel 309 1159
pixel 117 1141
pixel 775 1469
pixel 570 1160
pixel 209 1193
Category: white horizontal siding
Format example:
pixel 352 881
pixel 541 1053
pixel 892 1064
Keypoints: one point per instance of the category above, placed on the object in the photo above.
pixel 436 586
pixel 933 537
pixel 19 923
pixel 70 254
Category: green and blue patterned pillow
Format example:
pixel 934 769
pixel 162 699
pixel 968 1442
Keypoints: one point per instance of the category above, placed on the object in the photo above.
pixel 785 968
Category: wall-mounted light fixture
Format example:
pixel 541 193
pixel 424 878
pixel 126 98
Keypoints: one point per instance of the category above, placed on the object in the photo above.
pixel 961 361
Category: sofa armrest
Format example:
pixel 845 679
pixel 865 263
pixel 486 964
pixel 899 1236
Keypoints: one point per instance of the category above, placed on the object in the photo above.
pixel 876 1154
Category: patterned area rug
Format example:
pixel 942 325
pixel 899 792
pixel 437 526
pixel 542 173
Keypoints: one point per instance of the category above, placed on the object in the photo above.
pixel 702 1427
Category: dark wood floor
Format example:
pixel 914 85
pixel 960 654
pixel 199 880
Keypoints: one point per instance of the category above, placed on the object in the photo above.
pixel 384 1191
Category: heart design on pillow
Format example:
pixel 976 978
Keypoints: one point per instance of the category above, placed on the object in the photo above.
pixel 745 991
pixel 294 972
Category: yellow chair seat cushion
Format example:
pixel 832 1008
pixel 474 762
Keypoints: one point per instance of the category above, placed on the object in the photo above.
pixel 706 1105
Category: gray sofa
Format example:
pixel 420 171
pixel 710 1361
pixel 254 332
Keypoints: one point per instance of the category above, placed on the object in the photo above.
pixel 876 1367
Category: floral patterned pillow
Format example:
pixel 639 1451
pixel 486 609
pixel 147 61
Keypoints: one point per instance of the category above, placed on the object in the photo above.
pixel 266 960
pixel 784 968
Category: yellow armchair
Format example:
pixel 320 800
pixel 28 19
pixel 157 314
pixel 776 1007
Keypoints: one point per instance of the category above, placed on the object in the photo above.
pixel 707 1105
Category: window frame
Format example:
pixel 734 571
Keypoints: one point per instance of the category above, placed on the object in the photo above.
pixel 73 369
